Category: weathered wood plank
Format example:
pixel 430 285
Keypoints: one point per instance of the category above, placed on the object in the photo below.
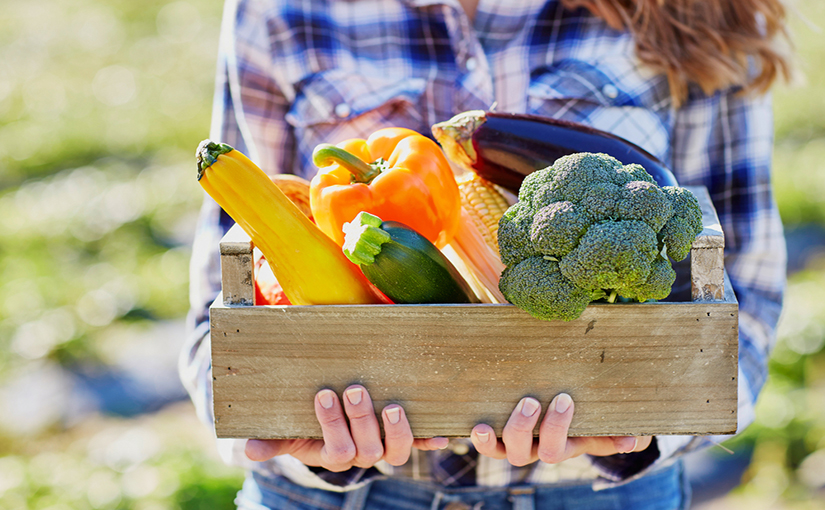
pixel 707 274
pixel 237 268
pixel 655 368
pixel 707 256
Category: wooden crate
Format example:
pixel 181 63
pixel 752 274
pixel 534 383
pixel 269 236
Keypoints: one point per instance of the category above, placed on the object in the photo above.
pixel 632 369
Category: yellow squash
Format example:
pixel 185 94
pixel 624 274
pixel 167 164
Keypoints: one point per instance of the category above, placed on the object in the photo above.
pixel 310 266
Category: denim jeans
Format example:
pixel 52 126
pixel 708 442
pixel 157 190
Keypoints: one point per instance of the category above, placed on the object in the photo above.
pixel 666 489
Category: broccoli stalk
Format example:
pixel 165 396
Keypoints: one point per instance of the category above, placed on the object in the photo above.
pixel 589 228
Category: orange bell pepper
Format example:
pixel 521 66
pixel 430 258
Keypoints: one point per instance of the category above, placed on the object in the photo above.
pixel 395 174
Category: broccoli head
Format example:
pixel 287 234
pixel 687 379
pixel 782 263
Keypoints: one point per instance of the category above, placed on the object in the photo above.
pixel 588 227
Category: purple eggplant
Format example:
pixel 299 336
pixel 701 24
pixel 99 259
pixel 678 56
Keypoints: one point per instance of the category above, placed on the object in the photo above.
pixel 504 147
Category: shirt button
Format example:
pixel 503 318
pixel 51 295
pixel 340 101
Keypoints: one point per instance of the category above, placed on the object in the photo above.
pixel 610 91
pixel 471 64
pixel 343 110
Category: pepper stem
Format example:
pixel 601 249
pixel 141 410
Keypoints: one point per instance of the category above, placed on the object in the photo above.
pixel 326 154
pixel 208 152
pixel 363 238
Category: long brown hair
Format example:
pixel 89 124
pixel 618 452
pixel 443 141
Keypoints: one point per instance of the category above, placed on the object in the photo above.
pixel 706 42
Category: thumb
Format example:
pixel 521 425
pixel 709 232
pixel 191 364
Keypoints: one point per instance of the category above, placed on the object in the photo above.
pixel 261 450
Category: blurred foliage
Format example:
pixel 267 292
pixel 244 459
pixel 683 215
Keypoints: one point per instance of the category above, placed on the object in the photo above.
pixel 85 79
pixel 799 171
pixel 154 462
pixel 101 107
pixel 102 104
pixel 788 436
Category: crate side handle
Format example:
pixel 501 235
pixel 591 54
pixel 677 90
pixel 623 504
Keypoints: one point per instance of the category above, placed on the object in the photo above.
pixel 237 268
pixel 707 254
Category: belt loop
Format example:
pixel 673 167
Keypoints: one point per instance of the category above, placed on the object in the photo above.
pixel 523 498
pixel 437 500
pixel 356 498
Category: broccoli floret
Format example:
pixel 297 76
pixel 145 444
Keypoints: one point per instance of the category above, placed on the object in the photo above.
pixel 536 285
pixel 658 283
pixel 601 200
pixel 514 225
pixel 557 228
pixel 678 233
pixel 539 189
pixel 588 227
pixel 612 255
pixel 575 174
pixel 632 172
pixel 645 201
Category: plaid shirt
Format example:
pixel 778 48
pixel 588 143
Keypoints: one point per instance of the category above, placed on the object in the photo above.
pixel 292 74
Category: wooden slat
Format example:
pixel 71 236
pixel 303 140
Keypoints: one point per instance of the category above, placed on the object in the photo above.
pixel 707 253
pixel 654 368
pixel 237 268
pixel 707 274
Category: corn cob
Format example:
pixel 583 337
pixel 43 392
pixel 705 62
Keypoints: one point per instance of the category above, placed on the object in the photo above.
pixel 485 206
pixel 296 189
pixel 474 249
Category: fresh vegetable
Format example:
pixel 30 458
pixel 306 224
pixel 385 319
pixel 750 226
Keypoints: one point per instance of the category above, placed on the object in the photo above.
pixel 296 190
pixel 505 147
pixel 402 263
pixel 396 174
pixel 308 265
pixel 409 180
pixel 474 249
pixel 485 205
pixel 588 228
pixel 267 289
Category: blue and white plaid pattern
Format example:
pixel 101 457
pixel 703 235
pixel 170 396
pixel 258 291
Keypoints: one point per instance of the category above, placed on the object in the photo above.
pixel 294 73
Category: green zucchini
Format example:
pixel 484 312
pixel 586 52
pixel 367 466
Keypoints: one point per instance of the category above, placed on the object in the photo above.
pixel 402 263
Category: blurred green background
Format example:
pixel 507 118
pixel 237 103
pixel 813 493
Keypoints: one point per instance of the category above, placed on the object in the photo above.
pixel 101 107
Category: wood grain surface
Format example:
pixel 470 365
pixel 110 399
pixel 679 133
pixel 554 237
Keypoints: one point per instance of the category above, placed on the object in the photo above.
pixel 652 368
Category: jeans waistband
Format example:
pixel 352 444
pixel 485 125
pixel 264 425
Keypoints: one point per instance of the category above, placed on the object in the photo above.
pixel 666 489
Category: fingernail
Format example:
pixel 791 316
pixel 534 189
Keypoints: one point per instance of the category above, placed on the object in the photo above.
pixel 483 436
pixel 354 396
pixel 393 414
pixel 529 406
pixel 326 399
pixel 630 445
pixel 563 402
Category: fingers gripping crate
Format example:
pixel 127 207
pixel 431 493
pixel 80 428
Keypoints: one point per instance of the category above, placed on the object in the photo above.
pixel 632 369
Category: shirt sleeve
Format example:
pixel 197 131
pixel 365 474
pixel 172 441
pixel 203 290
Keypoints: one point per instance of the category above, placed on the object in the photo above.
pixel 725 142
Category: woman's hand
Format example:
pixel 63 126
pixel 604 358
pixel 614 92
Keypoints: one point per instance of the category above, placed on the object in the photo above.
pixel 351 435
pixel 518 446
